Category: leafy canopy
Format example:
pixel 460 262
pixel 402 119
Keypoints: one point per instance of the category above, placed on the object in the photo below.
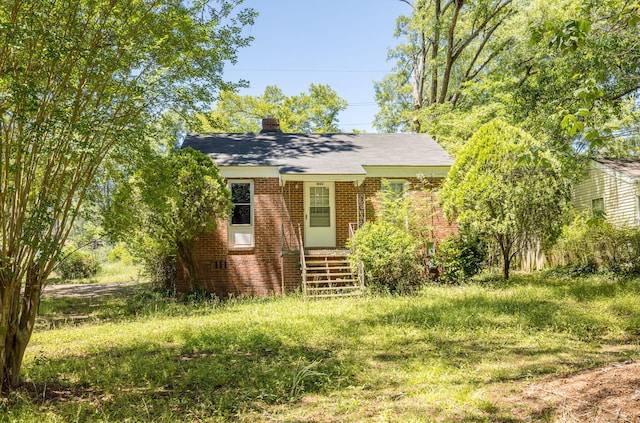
pixel 505 187
pixel 565 70
pixel 82 81
pixel 313 112
pixel 167 204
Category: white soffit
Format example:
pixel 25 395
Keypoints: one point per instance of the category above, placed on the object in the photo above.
pixel 286 177
pixel 406 171
pixel 239 172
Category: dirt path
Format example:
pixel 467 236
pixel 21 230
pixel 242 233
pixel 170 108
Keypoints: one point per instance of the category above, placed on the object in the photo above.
pixel 89 290
pixel 603 395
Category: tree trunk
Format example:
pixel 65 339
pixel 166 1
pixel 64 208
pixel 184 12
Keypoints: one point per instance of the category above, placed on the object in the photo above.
pixel 505 247
pixel 506 265
pixel 16 325
pixel 185 254
pixel 450 48
pixel 433 97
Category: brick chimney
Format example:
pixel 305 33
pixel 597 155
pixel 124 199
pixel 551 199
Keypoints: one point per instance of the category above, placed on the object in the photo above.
pixel 270 125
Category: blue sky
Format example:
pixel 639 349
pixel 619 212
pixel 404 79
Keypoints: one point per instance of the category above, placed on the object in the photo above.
pixel 342 43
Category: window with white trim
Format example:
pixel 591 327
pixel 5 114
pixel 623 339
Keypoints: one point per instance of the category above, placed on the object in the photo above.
pixel 241 227
pixel 397 186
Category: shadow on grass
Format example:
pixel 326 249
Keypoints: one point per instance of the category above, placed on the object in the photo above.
pixel 212 373
pixel 224 373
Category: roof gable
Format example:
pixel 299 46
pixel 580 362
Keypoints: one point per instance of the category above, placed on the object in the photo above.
pixel 321 154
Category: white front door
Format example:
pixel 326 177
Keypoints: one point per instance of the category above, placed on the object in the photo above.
pixel 319 214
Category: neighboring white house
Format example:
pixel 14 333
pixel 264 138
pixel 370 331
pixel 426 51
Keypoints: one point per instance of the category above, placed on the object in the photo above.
pixel 611 187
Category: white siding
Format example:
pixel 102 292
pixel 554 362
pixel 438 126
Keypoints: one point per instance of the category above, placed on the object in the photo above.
pixel 620 194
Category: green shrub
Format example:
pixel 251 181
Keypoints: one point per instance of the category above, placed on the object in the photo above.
pixel 120 253
pixel 459 258
pixel 78 265
pixel 595 244
pixel 388 255
pixel 160 267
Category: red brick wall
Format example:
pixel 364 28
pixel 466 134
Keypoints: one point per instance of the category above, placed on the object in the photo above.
pixel 248 271
pixel 273 263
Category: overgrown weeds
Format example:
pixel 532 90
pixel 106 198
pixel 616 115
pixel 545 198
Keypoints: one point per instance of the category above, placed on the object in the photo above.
pixel 438 355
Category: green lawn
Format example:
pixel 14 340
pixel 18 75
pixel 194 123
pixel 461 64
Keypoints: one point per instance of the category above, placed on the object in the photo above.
pixel 110 272
pixel 448 353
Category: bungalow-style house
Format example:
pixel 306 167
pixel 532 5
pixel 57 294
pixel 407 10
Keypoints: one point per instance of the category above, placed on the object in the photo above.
pixel 296 199
pixel 611 188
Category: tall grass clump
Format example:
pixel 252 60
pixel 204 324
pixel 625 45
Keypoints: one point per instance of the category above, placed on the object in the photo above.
pixel 77 264
pixel 590 245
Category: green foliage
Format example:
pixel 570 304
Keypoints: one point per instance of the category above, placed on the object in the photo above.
pixel 120 253
pixel 565 70
pixel 505 187
pixel 77 264
pixel 313 112
pixel 594 63
pixel 588 245
pixel 460 258
pixel 83 82
pixel 160 268
pixel 388 255
pixel 164 208
pixel 393 250
pixel 445 47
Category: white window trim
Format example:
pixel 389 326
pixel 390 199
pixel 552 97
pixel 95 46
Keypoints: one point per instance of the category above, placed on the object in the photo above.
pixel 389 182
pixel 242 231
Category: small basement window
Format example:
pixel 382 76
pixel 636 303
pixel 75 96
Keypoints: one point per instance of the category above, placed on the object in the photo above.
pixel 241 227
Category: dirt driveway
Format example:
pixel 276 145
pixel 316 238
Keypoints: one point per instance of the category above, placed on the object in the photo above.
pixel 90 290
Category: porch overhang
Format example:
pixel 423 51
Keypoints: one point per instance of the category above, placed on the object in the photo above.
pixel 357 179
pixel 406 171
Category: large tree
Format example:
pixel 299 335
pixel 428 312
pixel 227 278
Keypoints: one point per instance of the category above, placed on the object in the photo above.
pixel 82 80
pixel 166 204
pixel 565 70
pixel 584 80
pixel 313 112
pixel 506 188
pixel 447 44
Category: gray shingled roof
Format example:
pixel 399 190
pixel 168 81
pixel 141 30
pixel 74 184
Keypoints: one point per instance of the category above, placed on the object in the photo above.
pixel 627 167
pixel 321 154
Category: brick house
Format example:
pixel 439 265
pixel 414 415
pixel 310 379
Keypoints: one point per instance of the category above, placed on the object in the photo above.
pixel 301 193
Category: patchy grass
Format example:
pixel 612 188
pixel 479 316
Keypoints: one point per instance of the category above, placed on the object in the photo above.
pixel 447 353
pixel 110 272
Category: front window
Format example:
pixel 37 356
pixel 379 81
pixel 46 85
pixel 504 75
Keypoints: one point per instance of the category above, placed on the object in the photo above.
pixel 241 198
pixel 241 227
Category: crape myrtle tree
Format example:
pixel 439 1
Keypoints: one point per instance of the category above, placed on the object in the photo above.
pixel 82 81
pixel 166 204
pixel 506 188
